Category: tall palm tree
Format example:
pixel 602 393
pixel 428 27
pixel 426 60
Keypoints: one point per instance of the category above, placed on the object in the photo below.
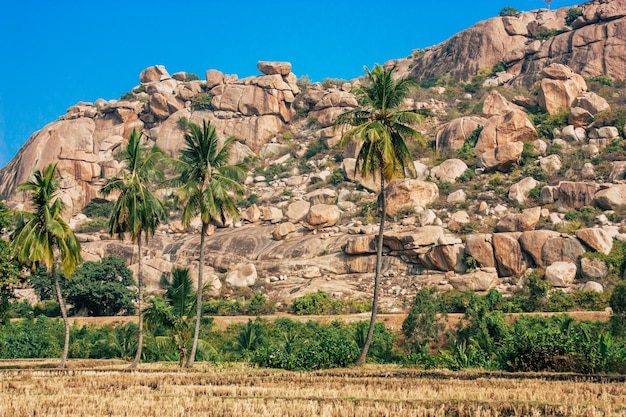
pixel 208 187
pixel 381 127
pixel 175 312
pixel 42 235
pixel 137 212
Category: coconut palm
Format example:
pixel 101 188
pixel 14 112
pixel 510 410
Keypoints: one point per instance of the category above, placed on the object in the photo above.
pixel 137 212
pixel 175 311
pixel 208 188
pixel 380 126
pixel 42 235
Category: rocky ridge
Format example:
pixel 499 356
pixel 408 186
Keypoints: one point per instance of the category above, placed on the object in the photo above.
pixel 459 226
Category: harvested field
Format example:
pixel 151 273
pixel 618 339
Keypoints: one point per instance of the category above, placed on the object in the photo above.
pixel 106 388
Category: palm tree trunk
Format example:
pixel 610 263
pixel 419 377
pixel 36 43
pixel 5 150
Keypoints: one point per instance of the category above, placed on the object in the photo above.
pixel 66 322
pixel 377 273
pixel 139 306
pixel 196 333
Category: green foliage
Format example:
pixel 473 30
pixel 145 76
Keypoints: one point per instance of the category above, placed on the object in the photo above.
pixel 5 217
pixel 320 303
pixel 315 147
pixel 500 66
pixel 102 288
pixel 382 348
pixel 38 338
pixel 618 305
pixel 202 101
pixel 9 277
pixel 559 301
pixel 545 123
pixel 509 11
pixel 466 152
pixel 423 324
pixel 572 14
pixel 615 260
pixel 257 305
pixel 434 81
pixel 584 214
pixel 532 296
pixel 325 347
pixel 190 76
pixel 338 177
pixel 48 308
pixel 95 225
pixel 602 79
pixel 98 207
pixel 546 34
pixel 183 123
pixel 535 193
pixel 444 186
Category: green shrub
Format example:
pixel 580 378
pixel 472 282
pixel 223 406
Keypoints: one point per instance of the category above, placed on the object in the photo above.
pixel 317 303
pixel 509 11
pixel 95 225
pixel 618 305
pixel 315 147
pixel 48 308
pixel 559 301
pixel 614 260
pixel 466 152
pixel 500 66
pixel 545 123
pixel 190 76
pixel 183 123
pixel 572 14
pixel 98 208
pixel 202 101
pixel 423 323
pixel 547 34
pixel 444 186
pixel 337 177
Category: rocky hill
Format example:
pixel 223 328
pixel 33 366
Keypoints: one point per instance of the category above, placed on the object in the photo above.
pixel 515 178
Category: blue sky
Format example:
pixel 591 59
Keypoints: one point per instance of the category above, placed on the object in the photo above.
pixel 56 53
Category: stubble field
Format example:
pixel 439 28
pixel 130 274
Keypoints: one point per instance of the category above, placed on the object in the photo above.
pixel 107 388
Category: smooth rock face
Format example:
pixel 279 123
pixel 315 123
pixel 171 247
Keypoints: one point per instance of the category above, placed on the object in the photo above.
pixel 520 222
pixel 297 210
pixel 518 192
pixel 499 130
pixel 449 170
pixel 612 198
pixel 480 247
pixel 593 268
pixel 561 274
pixel 408 193
pixel 561 249
pixel 503 157
pixel 479 280
pixel 243 276
pixel 271 68
pixel 453 134
pixel 558 91
pixel 597 239
pixel 153 74
pixel 508 254
pixel 283 230
pixel 323 215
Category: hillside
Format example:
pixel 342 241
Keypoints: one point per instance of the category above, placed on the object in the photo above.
pixel 524 170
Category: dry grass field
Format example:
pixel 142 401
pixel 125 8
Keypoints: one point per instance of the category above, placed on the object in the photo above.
pixel 106 388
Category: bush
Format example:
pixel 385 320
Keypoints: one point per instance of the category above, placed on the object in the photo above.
pixel 546 34
pixel 602 79
pixel 47 308
pixel 508 11
pixel 95 225
pixel 614 260
pixel 98 208
pixel 202 101
pixel 466 152
pixel 314 148
pixel 618 305
pixel 559 301
pixel 190 76
pixel 423 324
pixel 337 177
pixel 572 14
pixel 500 66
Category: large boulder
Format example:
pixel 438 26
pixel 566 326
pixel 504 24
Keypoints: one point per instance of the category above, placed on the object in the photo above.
pixel 323 215
pixel 503 157
pixel 513 126
pixel 597 239
pixel 520 222
pixel 453 134
pixel 271 68
pixel 591 268
pixel 612 198
pixel 242 276
pixel 551 164
pixel 574 195
pixel 153 74
pixel 409 193
pixel 532 243
pixel 412 239
pixel 591 102
pixel 561 249
pixel 518 193
pixel 360 244
pixel 480 247
pixel 446 257
pixel 479 280
pixel 559 88
pixel 297 210
pixel 561 274
pixel 449 170
pixel 508 253
pixel 496 105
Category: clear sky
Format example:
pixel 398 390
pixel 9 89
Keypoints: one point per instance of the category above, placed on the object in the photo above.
pixel 56 53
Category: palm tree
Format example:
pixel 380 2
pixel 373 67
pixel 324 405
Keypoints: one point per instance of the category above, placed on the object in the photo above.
pixel 208 187
pixel 42 235
pixel 381 127
pixel 137 212
pixel 174 311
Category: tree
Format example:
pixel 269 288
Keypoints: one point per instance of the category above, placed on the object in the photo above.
pixel 175 312
pixel 102 288
pixel 9 276
pixel 508 11
pixel 42 235
pixel 208 187
pixel 137 212
pixel 381 127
